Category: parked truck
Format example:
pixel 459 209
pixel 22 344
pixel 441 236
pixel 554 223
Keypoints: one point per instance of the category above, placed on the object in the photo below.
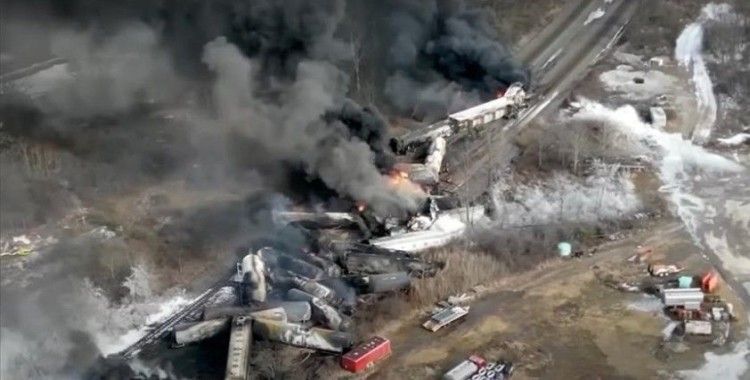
pixel 466 369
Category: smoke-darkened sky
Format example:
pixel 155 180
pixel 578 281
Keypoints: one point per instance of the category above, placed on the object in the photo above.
pixel 220 93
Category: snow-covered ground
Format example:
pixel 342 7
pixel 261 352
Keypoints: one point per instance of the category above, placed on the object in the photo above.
pixel 732 365
pixel 711 195
pixel 736 140
pixel 566 198
pixel 689 53
pixel 623 81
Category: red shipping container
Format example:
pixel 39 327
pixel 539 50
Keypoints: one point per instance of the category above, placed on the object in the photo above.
pixel 366 354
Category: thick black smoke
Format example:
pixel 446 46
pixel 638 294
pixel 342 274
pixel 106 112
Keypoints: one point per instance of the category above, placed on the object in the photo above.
pixel 438 56
pixel 214 93
pixel 273 70
pixel 366 124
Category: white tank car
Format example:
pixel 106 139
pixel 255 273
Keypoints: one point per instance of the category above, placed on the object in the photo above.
pixel 253 270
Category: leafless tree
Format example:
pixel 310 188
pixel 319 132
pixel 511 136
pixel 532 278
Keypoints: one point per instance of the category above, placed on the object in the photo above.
pixel 725 38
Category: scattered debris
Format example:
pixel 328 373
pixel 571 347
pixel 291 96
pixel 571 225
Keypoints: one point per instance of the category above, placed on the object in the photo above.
pixel 24 245
pixel 663 270
pixel 709 282
pixel 445 316
pixel 697 327
pixel 642 254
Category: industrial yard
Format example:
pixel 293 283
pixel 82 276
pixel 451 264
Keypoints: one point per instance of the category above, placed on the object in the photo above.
pixel 346 190
pixel 564 320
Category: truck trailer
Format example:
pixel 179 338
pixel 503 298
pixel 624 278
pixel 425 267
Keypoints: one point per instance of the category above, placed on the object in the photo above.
pixel 365 355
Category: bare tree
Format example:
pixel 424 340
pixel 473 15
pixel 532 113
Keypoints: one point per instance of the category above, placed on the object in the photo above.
pixel 725 38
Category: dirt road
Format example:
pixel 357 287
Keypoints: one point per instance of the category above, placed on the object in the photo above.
pixel 561 321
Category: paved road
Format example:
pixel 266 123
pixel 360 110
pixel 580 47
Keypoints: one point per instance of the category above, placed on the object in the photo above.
pixel 558 57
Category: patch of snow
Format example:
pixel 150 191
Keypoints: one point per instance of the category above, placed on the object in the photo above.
pixel 688 52
pixel 716 12
pixel 729 366
pixel 666 333
pixel 622 80
pixel 597 14
pixel 736 140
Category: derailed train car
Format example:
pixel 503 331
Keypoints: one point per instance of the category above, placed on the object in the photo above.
pixel 465 120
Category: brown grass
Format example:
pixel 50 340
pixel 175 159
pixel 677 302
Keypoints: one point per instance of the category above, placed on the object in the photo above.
pixel 464 269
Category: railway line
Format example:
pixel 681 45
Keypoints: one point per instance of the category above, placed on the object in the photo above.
pixel 560 55
pixel 163 328
pixel 565 60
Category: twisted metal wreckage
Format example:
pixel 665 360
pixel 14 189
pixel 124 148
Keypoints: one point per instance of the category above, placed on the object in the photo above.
pixel 306 297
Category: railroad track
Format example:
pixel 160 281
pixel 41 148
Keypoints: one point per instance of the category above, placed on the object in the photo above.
pixel 164 327
pixel 555 80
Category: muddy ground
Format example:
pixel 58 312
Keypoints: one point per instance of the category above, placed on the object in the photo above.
pixel 562 321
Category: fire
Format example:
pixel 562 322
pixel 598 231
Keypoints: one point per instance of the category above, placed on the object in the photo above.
pixel 399 180
pixel 398 177
pixel 361 206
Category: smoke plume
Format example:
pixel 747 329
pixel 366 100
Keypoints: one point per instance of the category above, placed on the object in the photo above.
pixel 440 56
pixel 208 94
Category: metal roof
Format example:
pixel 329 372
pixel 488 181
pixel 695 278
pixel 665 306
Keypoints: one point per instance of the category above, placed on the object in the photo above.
pixel 482 109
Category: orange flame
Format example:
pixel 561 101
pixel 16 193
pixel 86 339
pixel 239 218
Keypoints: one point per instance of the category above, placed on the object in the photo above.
pixel 398 177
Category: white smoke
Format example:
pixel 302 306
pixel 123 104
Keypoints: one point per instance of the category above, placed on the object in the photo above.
pixel 678 160
pixel 677 157
pixel 87 325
